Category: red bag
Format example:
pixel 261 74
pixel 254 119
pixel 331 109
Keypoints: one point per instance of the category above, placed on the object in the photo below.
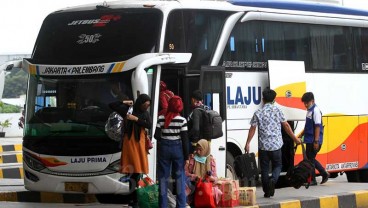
pixel 148 141
pixel 203 196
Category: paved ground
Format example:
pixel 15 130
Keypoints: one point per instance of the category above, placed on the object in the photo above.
pixel 335 193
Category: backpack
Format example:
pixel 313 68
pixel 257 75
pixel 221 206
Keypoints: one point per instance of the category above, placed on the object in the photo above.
pixel 301 174
pixel 212 124
pixel 114 127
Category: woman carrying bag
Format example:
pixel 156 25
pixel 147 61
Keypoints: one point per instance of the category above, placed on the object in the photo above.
pixel 172 141
pixel 202 166
pixel 134 160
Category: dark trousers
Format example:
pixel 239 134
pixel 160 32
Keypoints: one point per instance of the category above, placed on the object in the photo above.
pixel 171 160
pixel 265 157
pixel 311 154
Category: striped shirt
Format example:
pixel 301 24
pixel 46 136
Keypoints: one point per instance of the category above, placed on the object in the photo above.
pixel 177 125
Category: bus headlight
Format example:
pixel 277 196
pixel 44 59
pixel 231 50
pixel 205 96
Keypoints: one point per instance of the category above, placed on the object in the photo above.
pixel 32 161
pixel 115 166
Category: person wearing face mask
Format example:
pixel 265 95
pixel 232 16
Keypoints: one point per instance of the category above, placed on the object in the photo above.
pixel 313 135
pixel 201 165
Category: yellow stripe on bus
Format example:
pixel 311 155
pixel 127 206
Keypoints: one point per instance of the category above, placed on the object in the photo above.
pixel 121 66
pixel 32 69
pixel 116 67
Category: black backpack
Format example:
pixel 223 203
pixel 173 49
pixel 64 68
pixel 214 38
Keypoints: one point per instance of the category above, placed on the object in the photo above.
pixel 301 174
pixel 212 124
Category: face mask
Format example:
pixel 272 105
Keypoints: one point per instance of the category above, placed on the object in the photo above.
pixel 200 159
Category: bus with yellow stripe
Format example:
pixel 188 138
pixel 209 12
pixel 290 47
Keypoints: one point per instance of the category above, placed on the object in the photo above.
pixel 231 50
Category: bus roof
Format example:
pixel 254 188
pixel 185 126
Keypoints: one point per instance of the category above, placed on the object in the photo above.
pixel 300 6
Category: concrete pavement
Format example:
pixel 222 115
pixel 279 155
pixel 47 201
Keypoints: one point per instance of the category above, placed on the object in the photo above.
pixel 335 193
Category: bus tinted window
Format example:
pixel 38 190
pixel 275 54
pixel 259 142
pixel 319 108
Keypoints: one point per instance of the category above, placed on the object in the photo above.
pixel 196 32
pixel 322 48
pixel 97 36
pixel 330 48
pixel 361 49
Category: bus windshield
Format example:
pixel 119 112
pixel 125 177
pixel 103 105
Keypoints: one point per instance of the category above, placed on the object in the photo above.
pixel 73 106
pixel 98 36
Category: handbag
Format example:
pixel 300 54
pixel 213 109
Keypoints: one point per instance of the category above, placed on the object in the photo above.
pixel 148 195
pixel 149 144
pixel 203 195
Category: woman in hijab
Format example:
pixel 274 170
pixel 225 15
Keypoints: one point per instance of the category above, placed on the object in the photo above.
pixel 134 159
pixel 171 134
pixel 201 165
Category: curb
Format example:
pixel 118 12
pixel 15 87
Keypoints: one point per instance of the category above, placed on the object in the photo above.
pixel 357 199
pixel 10 148
pixel 13 158
pixel 46 197
pixel 12 173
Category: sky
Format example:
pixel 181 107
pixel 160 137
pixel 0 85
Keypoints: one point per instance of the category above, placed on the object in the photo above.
pixel 20 20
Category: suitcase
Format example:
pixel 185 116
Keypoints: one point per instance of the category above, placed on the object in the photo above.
pixel 245 167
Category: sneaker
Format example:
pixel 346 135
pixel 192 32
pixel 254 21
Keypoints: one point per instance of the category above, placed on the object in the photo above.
pixel 272 187
pixel 325 177
pixel 313 183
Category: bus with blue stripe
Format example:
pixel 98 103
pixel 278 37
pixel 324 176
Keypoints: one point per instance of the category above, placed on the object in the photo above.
pixel 223 48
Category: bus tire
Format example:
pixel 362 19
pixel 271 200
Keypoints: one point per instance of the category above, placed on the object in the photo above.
pixel 353 176
pixel 363 175
pixel 334 175
pixel 230 172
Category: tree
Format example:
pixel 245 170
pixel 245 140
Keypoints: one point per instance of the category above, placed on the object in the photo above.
pixel 15 84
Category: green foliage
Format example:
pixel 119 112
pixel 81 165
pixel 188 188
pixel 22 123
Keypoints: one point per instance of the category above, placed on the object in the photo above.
pixel 6 108
pixel 15 83
pixel 4 124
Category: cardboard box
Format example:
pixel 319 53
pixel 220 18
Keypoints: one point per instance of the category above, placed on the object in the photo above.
pixel 230 192
pixel 247 196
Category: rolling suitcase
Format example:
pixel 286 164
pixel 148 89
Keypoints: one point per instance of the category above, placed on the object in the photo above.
pixel 245 167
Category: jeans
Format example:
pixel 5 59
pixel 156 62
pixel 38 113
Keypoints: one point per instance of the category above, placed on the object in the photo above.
pixel 265 157
pixel 171 160
pixel 311 154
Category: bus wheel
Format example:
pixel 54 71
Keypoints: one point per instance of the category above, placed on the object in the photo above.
pixel 230 172
pixel 334 175
pixel 363 175
pixel 352 176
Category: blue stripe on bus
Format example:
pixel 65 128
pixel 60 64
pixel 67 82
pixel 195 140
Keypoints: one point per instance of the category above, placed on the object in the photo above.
pixel 111 67
pixel 37 70
pixel 232 43
pixel 300 6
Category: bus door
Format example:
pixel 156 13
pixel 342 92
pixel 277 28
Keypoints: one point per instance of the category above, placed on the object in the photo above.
pixel 287 78
pixel 212 85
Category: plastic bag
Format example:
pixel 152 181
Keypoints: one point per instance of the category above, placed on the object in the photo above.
pixel 114 127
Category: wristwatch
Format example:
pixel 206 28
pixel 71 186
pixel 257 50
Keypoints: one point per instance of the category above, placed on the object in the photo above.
pixel 316 142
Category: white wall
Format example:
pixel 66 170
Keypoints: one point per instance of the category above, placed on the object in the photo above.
pixel 13 130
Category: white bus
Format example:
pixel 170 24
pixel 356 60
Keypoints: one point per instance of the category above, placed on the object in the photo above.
pixel 224 48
